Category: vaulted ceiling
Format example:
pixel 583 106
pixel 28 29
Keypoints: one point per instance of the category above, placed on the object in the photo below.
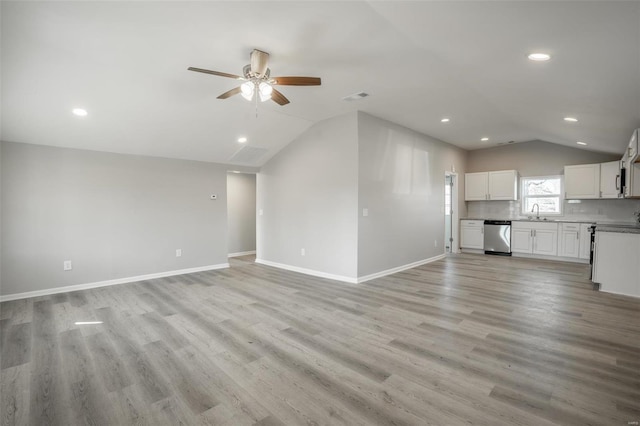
pixel 126 64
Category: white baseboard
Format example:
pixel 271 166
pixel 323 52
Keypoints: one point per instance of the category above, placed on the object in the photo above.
pixel 308 271
pixel 16 296
pixel 241 253
pixel 350 279
pixel 400 268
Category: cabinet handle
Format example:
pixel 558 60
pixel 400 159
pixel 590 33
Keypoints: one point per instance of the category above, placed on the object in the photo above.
pixel 618 182
pixel 531 232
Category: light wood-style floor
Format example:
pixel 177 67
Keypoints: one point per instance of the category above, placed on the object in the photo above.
pixel 471 339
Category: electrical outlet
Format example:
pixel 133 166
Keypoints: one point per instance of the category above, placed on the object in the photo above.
pixel 67 265
pixel 178 252
pixel 302 252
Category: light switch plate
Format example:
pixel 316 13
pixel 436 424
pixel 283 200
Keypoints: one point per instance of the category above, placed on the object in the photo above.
pixel 365 212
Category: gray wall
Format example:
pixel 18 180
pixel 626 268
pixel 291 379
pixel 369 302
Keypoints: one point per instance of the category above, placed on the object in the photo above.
pixel 114 216
pixel 308 193
pixel 401 182
pixel 535 158
pixel 241 212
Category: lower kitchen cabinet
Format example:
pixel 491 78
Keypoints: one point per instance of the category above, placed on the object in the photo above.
pixel 569 240
pixel 585 241
pixel 534 238
pixel 616 265
pixel 472 234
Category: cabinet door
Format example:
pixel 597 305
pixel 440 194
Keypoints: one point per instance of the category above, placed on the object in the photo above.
pixel 585 241
pixel 472 237
pixel 617 263
pixel 610 179
pixel 582 181
pixel 545 242
pixel 521 240
pixel 503 185
pixel 569 243
pixel 476 186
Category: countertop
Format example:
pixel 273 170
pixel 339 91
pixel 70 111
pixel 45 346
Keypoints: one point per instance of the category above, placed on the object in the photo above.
pixel 621 228
pixel 531 220
pixel 601 226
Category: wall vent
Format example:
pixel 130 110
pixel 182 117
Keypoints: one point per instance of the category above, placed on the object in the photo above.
pixel 248 155
pixel 355 97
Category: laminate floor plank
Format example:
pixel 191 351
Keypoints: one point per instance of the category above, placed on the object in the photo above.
pixel 469 339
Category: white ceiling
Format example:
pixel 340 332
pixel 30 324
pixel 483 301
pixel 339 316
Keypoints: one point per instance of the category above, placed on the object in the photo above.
pixel 126 63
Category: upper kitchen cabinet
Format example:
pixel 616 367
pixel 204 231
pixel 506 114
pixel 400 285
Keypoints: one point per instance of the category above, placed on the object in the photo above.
pixel 582 181
pixel 632 167
pixel 610 180
pixel 498 185
pixel 476 186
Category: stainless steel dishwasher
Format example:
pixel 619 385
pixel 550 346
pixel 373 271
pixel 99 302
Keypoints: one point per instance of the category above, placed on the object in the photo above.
pixel 497 237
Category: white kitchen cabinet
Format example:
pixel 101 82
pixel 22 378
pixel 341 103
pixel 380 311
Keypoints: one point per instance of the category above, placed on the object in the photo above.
pixel 534 238
pixel 582 181
pixel 610 179
pixel 617 263
pixel 585 241
pixel 472 234
pixel 632 168
pixel 521 239
pixel 569 240
pixel 476 186
pixel 503 185
pixel 495 185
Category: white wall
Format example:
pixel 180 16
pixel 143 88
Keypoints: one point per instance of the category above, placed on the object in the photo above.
pixel 401 183
pixel 308 194
pixel 241 212
pixel 114 216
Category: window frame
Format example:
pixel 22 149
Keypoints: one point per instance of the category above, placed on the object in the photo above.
pixel 524 196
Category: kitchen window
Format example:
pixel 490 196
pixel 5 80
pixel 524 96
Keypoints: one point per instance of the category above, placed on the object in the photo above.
pixel 545 191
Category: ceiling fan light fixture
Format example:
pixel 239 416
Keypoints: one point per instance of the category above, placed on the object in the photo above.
pixel 265 90
pixel 246 90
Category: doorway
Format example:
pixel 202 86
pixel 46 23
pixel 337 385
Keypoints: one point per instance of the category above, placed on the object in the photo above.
pixel 450 212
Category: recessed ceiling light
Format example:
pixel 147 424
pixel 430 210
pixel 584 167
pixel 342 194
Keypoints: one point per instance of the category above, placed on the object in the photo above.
pixel 484 139
pixel 540 57
pixel 445 120
pixel 571 119
pixel 87 322
pixel 80 112
pixel 581 143
pixel 242 139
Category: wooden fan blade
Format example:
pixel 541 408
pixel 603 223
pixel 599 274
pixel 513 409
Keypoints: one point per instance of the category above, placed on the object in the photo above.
pixel 218 73
pixel 296 81
pixel 279 98
pixel 259 62
pixel 230 93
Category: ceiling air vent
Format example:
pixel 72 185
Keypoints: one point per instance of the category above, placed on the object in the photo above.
pixel 248 155
pixel 355 97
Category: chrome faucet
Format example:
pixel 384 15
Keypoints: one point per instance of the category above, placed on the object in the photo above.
pixel 538 212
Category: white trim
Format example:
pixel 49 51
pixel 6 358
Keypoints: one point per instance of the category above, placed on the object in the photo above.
pixel 241 253
pixel 15 296
pixel 307 271
pixel 400 268
pixel 350 279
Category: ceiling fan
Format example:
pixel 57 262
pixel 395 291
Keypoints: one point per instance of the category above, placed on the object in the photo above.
pixel 257 79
